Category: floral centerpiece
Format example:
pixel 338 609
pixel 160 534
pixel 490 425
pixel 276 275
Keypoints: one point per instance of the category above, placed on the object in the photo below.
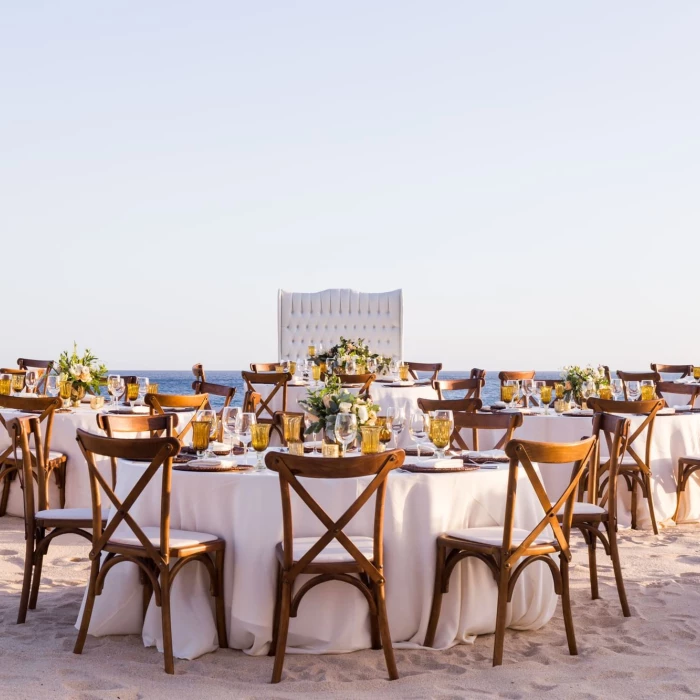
pixel 83 372
pixel 357 350
pixel 575 377
pixel 331 400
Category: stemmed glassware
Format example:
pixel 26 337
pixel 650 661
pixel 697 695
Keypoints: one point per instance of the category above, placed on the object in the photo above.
pixel 205 415
pixel 244 422
pixel 529 387
pixel 228 420
pixel 442 424
pixel 396 417
pixel 260 440
pixel 201 434
pixel 617 389
pixel 351 366
pixel 113 381
pixel 52 385
pixel 64 391
pixel 510 392
pixel 345 430
pixel 313 427
pixel 30 380
pixel 544 393
pixel 18 384
pixel 647 389
pixel 633 390
pixel 418 429
pixel 143 389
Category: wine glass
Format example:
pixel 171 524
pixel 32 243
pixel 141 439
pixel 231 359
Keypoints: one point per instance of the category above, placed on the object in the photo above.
pixel 143 389
pixel 30 380
pixel 647 389
pixel 545 395
pixel 372 365
pixel 208 416
pixel 394 366
pixel 633 390
pixel 313 428
pixel 617 389
pixel 132 393
pixel 345 430
pixel 17 384
pixel 529 387
pixel 244 422
pixel 396 417
pixel 113 387
pixel 228 420
pixel 52 385
pixel 385 435
pixel 121 388
pixel 418 429
pixel 351 366
pixel 260 440
pixel 442 424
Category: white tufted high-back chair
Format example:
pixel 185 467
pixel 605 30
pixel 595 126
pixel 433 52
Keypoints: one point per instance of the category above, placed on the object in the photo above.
pixel 322 317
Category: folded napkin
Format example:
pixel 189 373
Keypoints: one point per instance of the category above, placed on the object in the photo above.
pixel 685 380
pixel 667 411
pixel 485 454
pixel 685 408
pixel 439 463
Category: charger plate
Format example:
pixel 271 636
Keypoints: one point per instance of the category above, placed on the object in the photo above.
pixel 211 465
pixel 416 469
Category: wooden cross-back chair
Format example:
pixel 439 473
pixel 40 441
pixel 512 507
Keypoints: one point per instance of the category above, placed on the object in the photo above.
pixel 513 375
pixel 44 367
pixel 681 370
pixel 433 367
pixel 635 469
pixel 477 373
pixel 258 367
pixel 599 483
pixel 636 377
pixel 38 517
pixel 472 387
pixel 692 391
pixel 364 381
pixel 264 412
pixel 149 548
pixel 466 405
pixel 212 389
pixel 251 401
pixel 477 422
pixel 335 556
pixel 508 550
pixel 160 403
pixel 536 399
pixel 55 462
pixel 155 426
pixel 199 373
pixel 15 373
pixel 687 466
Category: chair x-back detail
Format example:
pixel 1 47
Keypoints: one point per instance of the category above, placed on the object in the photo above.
pixel 636 377
pixel 150 548
pixel 692 391
pixel 471 387
pixel 258 367
pixel 487 422
pixel 360 556
pixel 160 403
pixel 264 411
pixel 681 370
pixel 226 392
pixel 55 462
pixel 43 366
pixel 508 550
pixel 635 470
pixel 38 517
pixel 364 381
pixel 433 367
pixel 466 405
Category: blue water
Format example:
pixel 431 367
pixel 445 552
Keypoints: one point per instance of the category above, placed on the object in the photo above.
pixel 181 382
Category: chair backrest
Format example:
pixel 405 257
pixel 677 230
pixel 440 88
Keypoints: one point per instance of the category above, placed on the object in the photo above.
pixel 636 377
pixel 432 367
pixel 534 398
pixel 264 411
pixel 681 370
pixel 477 422
pixel 649 409
pixel 44 366
pixel 466 405
pixel 158 404
pixel 477 373
pixel 526 454
pixel 472 387
pixel 602 478
pixel 364 381
pixel 692 391
pixel 251 401
pixel 198 372
pixel 227 392
pixel 264 366
pixel 45 406
pixel 290 468
pixel 161 452
pixel 510 375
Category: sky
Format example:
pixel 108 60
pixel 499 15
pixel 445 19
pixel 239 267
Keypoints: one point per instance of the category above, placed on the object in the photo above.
pixel 527 173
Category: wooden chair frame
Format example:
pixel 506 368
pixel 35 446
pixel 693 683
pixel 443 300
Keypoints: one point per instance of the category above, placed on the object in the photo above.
pixel 504 560
pixel 45 366
pixel 683 370
pixel 636 377
pixel 691 390
pixel 472 387
pixel 464 405
pixel 507 422
pixel 415 367
pixel 687 466
pixel 278 381
pixel 199 373
pixel 371 582
pixel 153 561
pixel 159 403
pixel 639 473
pixel 364 380
pixel 10 468
pixel 226 392
pixel 258 367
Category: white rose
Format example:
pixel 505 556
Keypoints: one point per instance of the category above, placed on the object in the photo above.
pixel 327 401
pixel 344 407
pixel 362 414
pixel 85 375
pixel 76 370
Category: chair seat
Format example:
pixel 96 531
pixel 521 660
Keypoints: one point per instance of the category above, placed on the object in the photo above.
pixel 493 536
pixel 690 459
pixel 334 552
pixel 179 539
pixel 53 456
pixel 69 514
pixel 585 509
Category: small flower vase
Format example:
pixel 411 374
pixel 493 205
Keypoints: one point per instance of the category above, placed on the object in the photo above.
pixel 77 394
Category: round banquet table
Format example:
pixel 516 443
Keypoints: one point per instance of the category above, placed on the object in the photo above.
pixel 244 509
pixel 675 435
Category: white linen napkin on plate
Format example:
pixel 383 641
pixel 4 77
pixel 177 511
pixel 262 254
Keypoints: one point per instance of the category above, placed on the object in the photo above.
pixel 439 463
pixel 484 454
pixel 683 408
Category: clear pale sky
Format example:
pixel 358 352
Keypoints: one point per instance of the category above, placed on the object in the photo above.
pixel 527 172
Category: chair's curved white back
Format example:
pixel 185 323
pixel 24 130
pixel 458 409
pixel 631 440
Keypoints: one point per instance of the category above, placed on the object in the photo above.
pixel 322 317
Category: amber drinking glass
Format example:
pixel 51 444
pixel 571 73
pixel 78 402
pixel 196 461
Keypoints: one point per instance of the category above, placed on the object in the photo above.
pixel 385 425
pixel 5 385
pixel 132 393
pixel 647 389
pixel 201 430
pixel 545 397
pixel 605 393
pixel 696 372
pixel 316 372
pixel 559 390
pixel 370 439
pixel 17 384
pixel 507 393
pixel 291 427
pixel 152 389
pixel 311 351
pixel 403 372
pixel 441 427
pixel 260 440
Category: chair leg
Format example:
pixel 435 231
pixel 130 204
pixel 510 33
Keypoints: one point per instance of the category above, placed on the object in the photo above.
pixel 650 500
pixel 593 565
pixel 385 632
pixel 276 614
pixel 438 588
pixel 36 579
pixel 60 476
pixel 89 604
pixel 679 489
pixel 633 504
pixel 8 476
pixel 375 637
pixel 167 624
pixel 220 604
pixel 615 557
pixel 501 613
pixel 566 606
pixel 27 579
pixel 282 630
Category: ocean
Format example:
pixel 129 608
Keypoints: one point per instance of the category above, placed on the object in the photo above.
pixel 170 382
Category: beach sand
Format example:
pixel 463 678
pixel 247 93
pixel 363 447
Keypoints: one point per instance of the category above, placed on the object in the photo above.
pixel 653 654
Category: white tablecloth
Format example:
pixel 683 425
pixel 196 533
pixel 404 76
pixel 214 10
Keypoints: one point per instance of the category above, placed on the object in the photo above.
pixel 245 510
